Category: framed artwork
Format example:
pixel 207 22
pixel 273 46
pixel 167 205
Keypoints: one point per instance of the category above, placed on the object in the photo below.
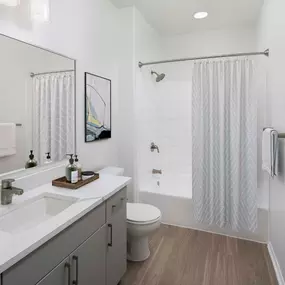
pixel 97 107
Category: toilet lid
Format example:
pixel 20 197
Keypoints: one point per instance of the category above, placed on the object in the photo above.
pixel 142 213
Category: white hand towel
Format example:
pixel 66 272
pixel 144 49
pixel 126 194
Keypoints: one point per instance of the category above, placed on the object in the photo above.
pixel 270 151
pixel 7 139
pixel 274 151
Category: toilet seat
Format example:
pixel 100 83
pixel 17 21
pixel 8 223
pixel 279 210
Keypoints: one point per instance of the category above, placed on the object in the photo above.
pixel 142 214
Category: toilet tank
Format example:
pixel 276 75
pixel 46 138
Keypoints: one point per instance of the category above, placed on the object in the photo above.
pixel 116 171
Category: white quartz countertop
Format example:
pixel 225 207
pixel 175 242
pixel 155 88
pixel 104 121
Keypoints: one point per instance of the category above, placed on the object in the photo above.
pixel 15 246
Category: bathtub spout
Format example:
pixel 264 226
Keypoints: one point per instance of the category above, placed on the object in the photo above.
pixel 156 171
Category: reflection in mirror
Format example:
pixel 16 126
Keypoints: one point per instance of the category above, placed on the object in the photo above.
pixel 37 106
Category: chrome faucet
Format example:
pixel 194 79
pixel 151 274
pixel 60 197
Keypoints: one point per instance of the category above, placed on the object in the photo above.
pixel 7 191
pixel 154 147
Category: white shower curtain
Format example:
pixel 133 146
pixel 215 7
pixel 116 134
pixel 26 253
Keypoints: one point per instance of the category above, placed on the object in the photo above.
pixel 53 116
pixel 225 144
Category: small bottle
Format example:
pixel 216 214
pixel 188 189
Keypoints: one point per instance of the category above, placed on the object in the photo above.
pixel 71 171
pixel 79 167
pixel 48 158
pixel 31 162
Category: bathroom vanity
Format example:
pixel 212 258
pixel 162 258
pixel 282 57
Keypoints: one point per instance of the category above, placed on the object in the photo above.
pixel 84 244
pixel 50 235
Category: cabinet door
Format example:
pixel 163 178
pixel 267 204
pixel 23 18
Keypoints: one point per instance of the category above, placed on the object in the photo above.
pixel 61 275
pixel 117 246
pixel 89 260
pixel 42 261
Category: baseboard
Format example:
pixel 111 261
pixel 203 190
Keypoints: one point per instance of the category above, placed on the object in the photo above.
pixel 276 265
pixel 215 233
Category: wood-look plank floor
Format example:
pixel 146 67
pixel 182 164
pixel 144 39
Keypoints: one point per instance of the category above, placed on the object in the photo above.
pixel 189 257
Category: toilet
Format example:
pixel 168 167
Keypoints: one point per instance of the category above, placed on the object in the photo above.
pixel 142 221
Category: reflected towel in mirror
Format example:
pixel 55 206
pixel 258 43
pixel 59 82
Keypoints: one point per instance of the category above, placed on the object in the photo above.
pixel 7 139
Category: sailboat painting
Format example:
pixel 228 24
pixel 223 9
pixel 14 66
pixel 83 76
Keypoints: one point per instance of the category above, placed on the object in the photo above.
pixel 97 107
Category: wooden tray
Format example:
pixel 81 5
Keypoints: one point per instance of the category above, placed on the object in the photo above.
pixel 63 183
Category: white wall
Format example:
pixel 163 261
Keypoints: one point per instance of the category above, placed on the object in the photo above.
pixel 18 60
pixel 126 149
pixel 147 47
pixel 211 42
pixel 272 35
pixel 89 31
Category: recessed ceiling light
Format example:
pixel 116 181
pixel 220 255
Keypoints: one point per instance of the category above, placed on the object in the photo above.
pixel 201 15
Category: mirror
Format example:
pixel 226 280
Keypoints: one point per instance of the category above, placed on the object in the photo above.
pixel 37 106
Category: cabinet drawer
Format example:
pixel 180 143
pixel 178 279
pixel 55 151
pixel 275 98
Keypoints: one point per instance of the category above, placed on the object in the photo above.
pixel 116 202
pixel 39 263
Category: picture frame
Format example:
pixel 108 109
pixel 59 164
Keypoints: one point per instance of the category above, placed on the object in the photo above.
pixel 98 107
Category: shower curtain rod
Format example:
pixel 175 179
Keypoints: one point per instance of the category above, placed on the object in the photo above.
pixel 43 73
pixel 266 53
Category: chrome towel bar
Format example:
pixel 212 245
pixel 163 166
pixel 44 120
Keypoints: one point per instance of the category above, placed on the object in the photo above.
pixel 280 135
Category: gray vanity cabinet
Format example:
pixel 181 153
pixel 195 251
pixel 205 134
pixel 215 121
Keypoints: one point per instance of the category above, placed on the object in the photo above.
pixel 89 260
pixel 85 266
pixel 59 276
pixel 117 238
pixel 92 251
pixel 41 262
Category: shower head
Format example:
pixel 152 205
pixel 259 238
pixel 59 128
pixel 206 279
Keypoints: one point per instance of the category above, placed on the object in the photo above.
pixel 159 77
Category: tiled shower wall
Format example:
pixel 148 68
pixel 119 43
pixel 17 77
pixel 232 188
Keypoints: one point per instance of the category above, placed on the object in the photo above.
pixel 164 117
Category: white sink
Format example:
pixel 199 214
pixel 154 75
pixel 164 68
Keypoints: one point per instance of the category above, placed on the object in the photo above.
pixel 33 212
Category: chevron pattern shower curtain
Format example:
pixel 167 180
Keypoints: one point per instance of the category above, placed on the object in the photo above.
pixel 224 130
pixel 53 116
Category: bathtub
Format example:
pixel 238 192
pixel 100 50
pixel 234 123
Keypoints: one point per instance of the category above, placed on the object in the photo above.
pixel 173 196
pixel 176 185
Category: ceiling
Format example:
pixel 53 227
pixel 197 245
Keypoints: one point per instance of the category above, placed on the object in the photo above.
pixel 176 16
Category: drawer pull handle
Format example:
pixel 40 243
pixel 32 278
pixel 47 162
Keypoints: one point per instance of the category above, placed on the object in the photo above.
pixel 76 282
pixel 110 244
pixel 122 199
pixel 67 266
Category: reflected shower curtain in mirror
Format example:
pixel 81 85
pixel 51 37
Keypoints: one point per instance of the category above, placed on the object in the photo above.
pixel 224 130
pixel 53 116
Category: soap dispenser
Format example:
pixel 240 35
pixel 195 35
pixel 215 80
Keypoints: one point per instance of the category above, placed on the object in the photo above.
pixel 31 162
pixel 71 171
pixel 79 167
pixel 48 158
